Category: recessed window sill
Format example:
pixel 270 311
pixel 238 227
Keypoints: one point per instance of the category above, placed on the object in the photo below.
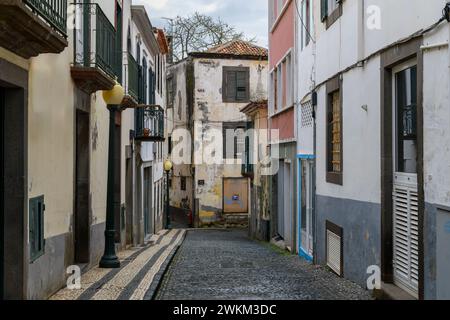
pixel 333 17
pixel 335 178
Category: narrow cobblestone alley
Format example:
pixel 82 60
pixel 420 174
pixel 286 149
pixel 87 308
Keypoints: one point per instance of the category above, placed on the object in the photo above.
pixel 227 265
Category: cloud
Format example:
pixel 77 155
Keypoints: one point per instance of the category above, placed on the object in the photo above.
pixel 248 16
pixel 156 4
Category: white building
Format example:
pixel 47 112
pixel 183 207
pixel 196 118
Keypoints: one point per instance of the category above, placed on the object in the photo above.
pixel 380 76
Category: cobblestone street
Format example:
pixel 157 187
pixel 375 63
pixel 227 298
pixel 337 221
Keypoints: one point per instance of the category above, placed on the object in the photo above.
pixel 227 265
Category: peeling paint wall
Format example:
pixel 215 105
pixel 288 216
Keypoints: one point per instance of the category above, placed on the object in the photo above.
pixel 197 99
pixel 210 110
pixel 179 123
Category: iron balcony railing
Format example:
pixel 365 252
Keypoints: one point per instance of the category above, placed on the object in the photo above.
pixel 54 12
pixel 149 123
pixel 132 83
pixel 95 39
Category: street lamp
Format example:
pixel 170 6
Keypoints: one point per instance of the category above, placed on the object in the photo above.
pixel 168 165
pixel 113 99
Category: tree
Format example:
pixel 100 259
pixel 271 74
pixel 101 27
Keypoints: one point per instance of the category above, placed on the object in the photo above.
pixel 199 32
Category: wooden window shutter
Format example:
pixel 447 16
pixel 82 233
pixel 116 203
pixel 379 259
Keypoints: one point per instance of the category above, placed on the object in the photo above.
pixel 324 9
pixel 230 86
pixel 241 85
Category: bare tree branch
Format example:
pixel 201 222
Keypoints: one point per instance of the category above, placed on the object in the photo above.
pixel 200 32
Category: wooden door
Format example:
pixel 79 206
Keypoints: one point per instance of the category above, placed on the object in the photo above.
pixel 235 195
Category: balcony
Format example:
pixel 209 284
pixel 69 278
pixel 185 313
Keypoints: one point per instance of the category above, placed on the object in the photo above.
pixel 149 123
pixel 96 55
pixel 131 83
pixel 32 27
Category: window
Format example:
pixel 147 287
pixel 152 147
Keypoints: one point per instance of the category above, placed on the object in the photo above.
pixel 331 10
pixel 282 85
pixel 144 80
pixel 157 72
pixel 170 145
pixel 183 183
pixel 236 84
pixel 406 121
pixel 275 9
pixel 170 91
pixel 151 86
pixel 234 140
pixel 334 132
pixel 307 26
pixel 36 228
pixel 279 89
pixel 248 156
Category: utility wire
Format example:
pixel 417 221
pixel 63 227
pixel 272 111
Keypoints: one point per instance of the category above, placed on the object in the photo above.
pixel 303 23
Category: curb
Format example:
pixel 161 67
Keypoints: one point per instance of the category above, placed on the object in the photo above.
pixel 159 276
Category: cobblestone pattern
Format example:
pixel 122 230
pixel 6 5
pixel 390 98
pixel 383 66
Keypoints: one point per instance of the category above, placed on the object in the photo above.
pixel 137 278
pixel 227 265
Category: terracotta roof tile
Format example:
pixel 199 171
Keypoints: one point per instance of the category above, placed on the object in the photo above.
pixel 239 48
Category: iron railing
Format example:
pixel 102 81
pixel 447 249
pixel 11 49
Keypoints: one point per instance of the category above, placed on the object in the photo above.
pixel 149 123
pixel 132 86
pixel 95 39
pixel 54 12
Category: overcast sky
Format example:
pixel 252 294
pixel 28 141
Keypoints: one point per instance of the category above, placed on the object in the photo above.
pixel 248 16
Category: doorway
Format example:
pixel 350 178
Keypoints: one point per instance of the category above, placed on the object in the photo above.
pixel 148 202
pixel 288 212
pixel 235 195
pixel 405 182
pixel 306 217
pixel 280 199
pixel 82 216
pixel 13 225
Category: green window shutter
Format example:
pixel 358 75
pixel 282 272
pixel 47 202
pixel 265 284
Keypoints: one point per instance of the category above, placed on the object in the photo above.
pixel 32 228
pixel 324 9
pixel 241 85
pixel 230 86
pixel 36 227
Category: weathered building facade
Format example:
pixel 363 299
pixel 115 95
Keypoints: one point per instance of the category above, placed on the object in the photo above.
pixel 256 166
pixel 55 138
pixel 376 81
pixel 282 117
pixel 209 89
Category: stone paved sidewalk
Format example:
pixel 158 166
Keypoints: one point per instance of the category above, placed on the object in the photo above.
pixel 137 279
pixel 227 265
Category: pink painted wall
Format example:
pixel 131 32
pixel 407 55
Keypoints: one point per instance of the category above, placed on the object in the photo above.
pixel 282 37
pixel 281 40
pixel 285 123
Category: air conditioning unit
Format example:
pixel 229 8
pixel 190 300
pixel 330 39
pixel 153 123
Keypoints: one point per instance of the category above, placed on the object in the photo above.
pixel 334 247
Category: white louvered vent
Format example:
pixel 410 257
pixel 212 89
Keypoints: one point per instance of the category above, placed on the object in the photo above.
pixel 334 252
pixel 406 238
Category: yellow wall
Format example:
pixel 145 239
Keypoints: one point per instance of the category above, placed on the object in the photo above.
pixel 99 158
pixel 51 138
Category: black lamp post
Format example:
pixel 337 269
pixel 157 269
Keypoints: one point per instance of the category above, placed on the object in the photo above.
pixel 113 98
pixel 167 168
